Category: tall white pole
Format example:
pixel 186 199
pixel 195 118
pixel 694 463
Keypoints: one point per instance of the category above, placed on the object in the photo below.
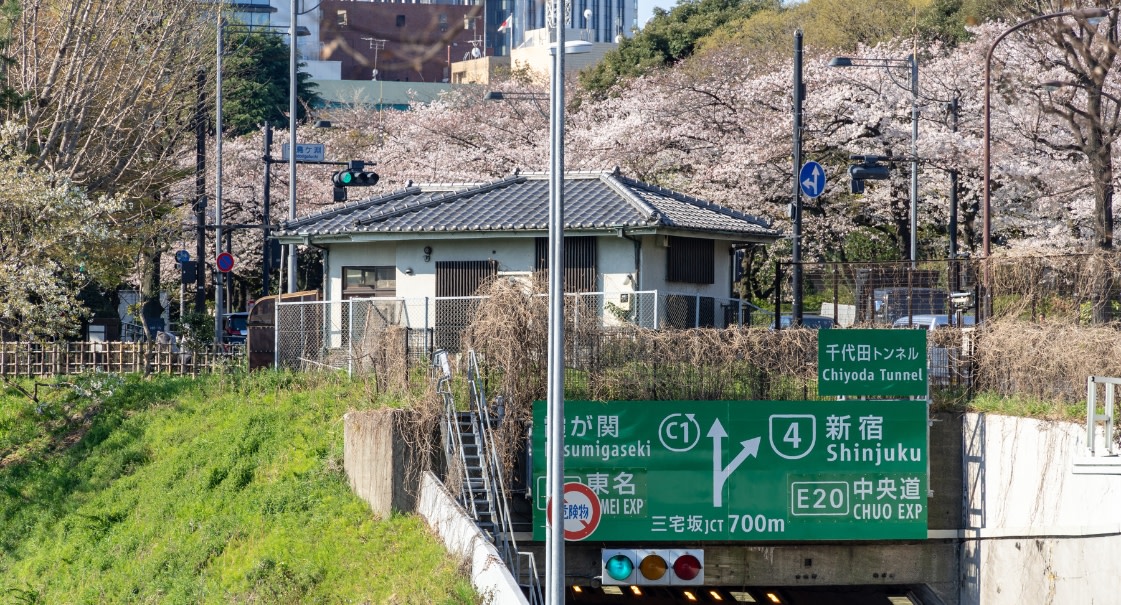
pixel 219 282
pixel 554 538
pixel 292 62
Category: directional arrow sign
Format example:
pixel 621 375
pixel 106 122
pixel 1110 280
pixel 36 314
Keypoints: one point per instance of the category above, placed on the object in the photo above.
pixel 811 178
pixel 756 471
pixel 720 473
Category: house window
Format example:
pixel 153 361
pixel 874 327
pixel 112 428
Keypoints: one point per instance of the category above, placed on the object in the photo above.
pixel 400 20
pixel 691 260
pixel 579 262
pixel 368 282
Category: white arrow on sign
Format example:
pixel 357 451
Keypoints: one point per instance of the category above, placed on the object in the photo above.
pixel 720 473
pixel 811 185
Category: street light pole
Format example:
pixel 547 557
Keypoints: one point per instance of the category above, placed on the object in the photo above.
pixel 292 63
pixel 1090 14
pixel 554 538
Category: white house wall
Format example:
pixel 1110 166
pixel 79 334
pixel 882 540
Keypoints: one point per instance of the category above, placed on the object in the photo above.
pixel 618 276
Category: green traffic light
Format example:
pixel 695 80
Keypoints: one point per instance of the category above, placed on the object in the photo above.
pixel 346 177
pixel 619 567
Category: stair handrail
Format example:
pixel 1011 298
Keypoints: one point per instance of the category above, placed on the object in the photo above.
pixel 508 548
pixel 453 440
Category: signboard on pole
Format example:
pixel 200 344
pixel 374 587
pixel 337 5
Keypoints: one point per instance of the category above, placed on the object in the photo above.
pixel 811 179
pixel 858 363
pixel 306 152
pixel 224 262
pixel 739 470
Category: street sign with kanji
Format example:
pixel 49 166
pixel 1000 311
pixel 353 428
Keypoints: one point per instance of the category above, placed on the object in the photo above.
pixel 739 470
pixel 857 363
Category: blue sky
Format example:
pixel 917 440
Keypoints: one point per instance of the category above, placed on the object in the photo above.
pixel 646 9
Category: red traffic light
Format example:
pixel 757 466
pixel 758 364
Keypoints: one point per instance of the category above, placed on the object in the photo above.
pixel 686 567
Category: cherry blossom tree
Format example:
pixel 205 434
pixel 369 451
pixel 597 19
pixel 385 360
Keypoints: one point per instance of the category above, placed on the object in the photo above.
pixel 51 240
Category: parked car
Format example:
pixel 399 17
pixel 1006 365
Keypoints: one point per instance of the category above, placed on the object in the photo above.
pixel 928 321
pixel 889 303
pixel 812 322
pixel 235 327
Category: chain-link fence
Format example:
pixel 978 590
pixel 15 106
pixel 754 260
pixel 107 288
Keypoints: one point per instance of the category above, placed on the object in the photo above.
pixel 881 293
pixel 1071 288
pixel 342 334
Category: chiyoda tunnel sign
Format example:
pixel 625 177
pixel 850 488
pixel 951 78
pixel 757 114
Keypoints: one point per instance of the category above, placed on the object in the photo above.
pixel 872 362
pixel 739 470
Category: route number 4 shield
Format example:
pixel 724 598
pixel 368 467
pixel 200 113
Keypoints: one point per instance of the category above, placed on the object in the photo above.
pixel 793 435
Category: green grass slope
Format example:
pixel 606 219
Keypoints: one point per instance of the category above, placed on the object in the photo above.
pixel 224 489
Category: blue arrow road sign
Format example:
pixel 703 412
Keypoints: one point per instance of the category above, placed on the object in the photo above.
pixel 811 178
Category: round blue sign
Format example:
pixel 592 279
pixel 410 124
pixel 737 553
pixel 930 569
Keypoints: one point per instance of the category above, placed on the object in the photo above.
pixel 225 262
pixel 182 256
pixel 811 178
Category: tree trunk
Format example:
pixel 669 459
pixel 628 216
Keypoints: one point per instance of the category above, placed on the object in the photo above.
pixel 150 306
pixel 1101 169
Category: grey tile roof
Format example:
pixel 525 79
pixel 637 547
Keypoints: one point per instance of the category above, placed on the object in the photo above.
pixel 592 201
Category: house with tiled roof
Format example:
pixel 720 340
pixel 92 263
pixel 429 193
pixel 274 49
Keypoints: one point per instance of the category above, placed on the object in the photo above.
pixel 622 237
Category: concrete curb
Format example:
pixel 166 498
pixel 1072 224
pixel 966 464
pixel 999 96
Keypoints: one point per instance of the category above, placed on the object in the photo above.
pixel 462 538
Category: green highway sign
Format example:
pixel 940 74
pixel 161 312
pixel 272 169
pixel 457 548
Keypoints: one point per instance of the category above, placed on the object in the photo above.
pixel 857 363
pixel 738 470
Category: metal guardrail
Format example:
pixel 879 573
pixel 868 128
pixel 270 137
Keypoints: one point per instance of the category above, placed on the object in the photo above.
pixel 1106 415
pixel 504 534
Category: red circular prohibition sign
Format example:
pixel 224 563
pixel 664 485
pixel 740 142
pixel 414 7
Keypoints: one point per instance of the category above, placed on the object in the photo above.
pixel 577 494
pixel 225 262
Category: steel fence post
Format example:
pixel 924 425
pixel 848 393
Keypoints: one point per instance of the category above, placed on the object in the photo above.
pixel 350 340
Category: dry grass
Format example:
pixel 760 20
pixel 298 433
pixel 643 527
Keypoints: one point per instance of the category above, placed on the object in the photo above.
pixel 1049 361
pixel 1067 288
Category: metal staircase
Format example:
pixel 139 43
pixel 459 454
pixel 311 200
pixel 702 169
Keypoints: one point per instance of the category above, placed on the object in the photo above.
pixel 473 460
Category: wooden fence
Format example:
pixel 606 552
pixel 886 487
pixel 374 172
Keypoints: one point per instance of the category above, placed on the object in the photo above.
pixel 28 359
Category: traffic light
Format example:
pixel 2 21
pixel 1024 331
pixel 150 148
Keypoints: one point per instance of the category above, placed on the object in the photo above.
pixel 190 271
pixel 355 175
pixel 272 254
pixel 640 567
pixel 867 171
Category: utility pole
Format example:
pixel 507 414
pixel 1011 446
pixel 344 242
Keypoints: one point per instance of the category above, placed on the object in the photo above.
pixel 955 277
pixel 796 206
pixel 200 194
pixel 266 254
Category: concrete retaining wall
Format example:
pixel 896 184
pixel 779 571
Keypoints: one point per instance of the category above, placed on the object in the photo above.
pixel 463 539
pixel 385 466
pixel 1035 532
